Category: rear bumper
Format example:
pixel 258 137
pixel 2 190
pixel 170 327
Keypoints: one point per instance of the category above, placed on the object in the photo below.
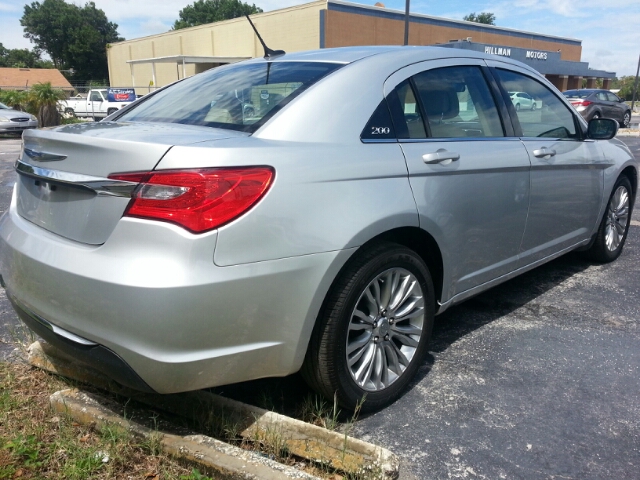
pixel 159 307
pixel 86 352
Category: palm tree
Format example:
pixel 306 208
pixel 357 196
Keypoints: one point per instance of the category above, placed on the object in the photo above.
pixel 15 99
pixel 43 100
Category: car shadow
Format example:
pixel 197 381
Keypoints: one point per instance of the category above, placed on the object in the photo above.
pixel 289 395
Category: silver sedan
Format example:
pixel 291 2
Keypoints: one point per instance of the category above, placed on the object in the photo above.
pixel 15 121
pixel 184 244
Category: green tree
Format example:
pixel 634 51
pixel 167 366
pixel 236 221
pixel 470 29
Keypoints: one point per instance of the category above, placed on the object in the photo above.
pixel 43 102
pixel 209 11
pixel 483 17
pixel 625 84
pixel 22 58
pixel 73 36
pixel 16 99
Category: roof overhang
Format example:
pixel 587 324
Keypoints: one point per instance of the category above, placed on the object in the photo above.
pixel 187 59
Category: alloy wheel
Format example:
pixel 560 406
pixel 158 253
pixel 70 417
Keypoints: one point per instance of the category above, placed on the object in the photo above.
pixel 617 218
pixel 385 329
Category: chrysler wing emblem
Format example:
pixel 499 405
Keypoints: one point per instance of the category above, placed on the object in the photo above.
pixel 44 156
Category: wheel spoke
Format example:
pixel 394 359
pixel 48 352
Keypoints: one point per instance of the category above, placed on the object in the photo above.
pixel 351 360
pixel 358 343
pixel 407 329
pixel 405 339
pixel 374 305
pixel 392 359
pixel 404 361
pixel 363 316
pixel 404 290
pixel 409 309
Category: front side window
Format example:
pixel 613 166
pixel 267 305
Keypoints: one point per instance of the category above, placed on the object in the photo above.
pixel 549 118
pixel 457 102
pixel 612 97
pixel 237 97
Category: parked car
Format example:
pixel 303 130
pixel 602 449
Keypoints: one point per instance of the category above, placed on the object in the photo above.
pixel 98 103
pixel 522 100
pixel 182 245
pixel 15 121
pixel 600 103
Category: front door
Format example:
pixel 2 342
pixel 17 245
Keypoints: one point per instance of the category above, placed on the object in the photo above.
pixel 566 171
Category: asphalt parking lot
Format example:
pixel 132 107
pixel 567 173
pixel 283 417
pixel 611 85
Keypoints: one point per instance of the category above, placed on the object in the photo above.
pixel 537 378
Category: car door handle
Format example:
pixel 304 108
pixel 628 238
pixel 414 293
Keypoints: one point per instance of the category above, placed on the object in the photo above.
pixel 544 153
pixel 440 156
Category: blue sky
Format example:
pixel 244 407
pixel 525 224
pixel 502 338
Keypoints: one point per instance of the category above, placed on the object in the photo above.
pixel 610 34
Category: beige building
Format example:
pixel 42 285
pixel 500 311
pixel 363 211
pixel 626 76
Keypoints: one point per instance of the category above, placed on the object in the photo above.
pixel 161 59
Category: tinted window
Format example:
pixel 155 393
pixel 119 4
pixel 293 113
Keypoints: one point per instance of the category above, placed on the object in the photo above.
pixel 95 97
pixel 550 118
pixel 238 97
pixel 457 103
pixel 611 97
pixel 577 93
pixel 601 96
pixel 411 117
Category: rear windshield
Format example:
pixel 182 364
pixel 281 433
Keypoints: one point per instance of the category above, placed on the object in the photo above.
pixel 577 93
pixel 241 97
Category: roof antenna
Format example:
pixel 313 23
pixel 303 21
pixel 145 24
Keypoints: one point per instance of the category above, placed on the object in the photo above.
pixel 268 53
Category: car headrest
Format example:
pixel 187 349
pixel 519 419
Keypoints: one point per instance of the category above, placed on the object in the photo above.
pixel 441 104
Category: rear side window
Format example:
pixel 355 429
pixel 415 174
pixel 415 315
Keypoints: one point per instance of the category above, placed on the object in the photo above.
pixel 241 97
pixel 458 103
pixel 550 117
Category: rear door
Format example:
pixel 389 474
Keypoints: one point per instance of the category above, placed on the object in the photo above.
pixel 566 170
pixel 470 180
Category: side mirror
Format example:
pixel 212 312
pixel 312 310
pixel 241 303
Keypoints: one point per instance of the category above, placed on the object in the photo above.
pixel 602 128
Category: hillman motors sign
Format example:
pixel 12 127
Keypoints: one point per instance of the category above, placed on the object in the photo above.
pixel 502 51
pixel 506 52
pixel 536 55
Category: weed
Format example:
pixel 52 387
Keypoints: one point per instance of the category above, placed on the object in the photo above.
pixel 194 475
pixel 317 411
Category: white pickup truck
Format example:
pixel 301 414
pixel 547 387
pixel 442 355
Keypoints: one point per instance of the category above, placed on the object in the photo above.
pixel 98 103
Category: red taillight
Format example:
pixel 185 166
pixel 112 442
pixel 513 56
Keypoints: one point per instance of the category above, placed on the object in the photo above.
pixel 198 200
pixel 581 103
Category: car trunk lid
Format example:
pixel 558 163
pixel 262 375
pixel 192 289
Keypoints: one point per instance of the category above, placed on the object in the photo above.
pixel 63 183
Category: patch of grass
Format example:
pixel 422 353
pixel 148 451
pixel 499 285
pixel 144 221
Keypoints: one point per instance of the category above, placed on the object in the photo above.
pixel 37 443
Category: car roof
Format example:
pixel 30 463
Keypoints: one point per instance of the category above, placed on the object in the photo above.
pixel 396 54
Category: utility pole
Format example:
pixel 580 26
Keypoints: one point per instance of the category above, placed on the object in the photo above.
pixel 635 85
pixel 406 23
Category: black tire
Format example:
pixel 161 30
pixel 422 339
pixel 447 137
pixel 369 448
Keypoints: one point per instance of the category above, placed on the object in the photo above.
pixel 626 120
pixel 533 106
pixel 600 251
pixel 111 110
pixel 70 112
pixel 326 367
pixel 517 107
pixel 596 115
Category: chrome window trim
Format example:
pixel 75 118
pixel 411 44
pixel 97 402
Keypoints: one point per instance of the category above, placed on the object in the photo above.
pixel 458 139
pixel 100 185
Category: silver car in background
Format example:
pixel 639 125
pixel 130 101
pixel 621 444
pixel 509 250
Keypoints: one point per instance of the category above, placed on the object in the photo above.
pixel 15 121
pixel 184 244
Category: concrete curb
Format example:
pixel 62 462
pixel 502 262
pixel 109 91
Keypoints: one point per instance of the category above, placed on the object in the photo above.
pixel 334 449
pixel 219 458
